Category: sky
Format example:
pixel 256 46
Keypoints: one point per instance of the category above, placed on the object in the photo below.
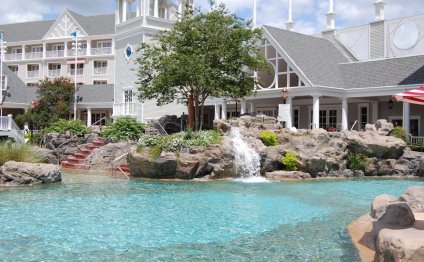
pixel 309 15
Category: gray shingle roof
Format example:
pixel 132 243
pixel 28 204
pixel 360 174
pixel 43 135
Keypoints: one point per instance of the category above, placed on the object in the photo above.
pixel 93 25
pixel 26 31
pixel 318 58
pixel 386 72
pixel 96 93
pixel 17 91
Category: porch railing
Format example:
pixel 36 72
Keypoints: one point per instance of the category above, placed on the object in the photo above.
pixel 9 128
pixel 125 109
pixel 416 141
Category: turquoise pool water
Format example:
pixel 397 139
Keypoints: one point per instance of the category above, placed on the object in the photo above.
pixel 89 218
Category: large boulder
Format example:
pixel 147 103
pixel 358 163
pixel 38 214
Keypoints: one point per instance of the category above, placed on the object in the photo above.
pixel 383 127
pixel 379 205
pixel 397 215
pixel 287 175
pixel 414 196
pixel 46 156
pixel 101 158
pixel 405 245
pixel 144 165
pixel 372 144
pixel 19 173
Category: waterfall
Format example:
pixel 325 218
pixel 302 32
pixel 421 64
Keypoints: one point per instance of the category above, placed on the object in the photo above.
pixel 246 160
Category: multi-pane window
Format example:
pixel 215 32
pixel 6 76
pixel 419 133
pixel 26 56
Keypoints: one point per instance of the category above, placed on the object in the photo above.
pixel 14 68
pixel 332 118
pixel 296 118
pixel 33 70
pixel 128 96
pixel 95 119
pixel 54 70
pixel 281 74
pixel 79 71
pixel 100 67
pixel 100 82
pixel 322 118
pixel 363 116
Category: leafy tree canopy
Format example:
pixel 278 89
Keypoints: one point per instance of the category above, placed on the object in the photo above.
pixel 206 54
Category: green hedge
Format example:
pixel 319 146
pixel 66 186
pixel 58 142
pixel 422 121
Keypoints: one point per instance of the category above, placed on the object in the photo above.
pixel 76 127
pixel 17 152
pixel 290 161
pixel 356 161
pixel 124 128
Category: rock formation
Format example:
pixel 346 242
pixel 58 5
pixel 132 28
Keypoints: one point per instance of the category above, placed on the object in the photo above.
pixel 18 173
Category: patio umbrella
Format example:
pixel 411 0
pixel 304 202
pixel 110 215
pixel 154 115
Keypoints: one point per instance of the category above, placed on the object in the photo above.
pixel 415 96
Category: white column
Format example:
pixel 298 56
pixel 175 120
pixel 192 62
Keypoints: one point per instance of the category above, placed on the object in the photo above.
pixel 252 108
pixel 44 50
pixel 145 10
pixel 243 108
pixel 406 117
pixel 374 108
pixel 88 47
pixel 23 51
pixel 156 9
pixel 217 111
pixel 289 123
pixel 88 117
pixel 315 112
pixel 124 10
pixel 65 52
pixel 10 122
pixel 224 110
pixel 345 114
pixel 117 11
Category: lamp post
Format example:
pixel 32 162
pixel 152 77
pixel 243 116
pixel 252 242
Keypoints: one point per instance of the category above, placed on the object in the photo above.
pixel 76 47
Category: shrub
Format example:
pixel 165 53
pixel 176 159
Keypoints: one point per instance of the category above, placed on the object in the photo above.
pixel 124 128
pixel 178 141
pixel 269 138
pixel 17 152
pixel 76 127
pixel 355 161
pixel 399 132
pixel 290 161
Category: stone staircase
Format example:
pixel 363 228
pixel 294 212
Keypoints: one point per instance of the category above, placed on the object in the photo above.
pixel 78 159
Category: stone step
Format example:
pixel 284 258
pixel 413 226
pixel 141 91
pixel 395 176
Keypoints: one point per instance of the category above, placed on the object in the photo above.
pixel 98 143
pixel 91 147
pixel 73 159
pixel 74 165
pixel 85 151
pixel 80 155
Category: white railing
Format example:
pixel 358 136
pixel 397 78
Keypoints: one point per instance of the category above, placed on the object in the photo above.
pixel 11 57
pixel 101 51
pixel 55 53
pixel 54 72
pixel 114 166
pixel 100 71
pixel 125 109
pixel 80 72
pixel 34 55
pixel 33 73
pixel 81 52
pixel 10 129
pixel 416 140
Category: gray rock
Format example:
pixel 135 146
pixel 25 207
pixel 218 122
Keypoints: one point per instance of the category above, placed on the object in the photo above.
pixel 347 173
pixel 19 173
pixel 283 175
pixel 400 245
pixel 379 205
pixel 101 158
pixel 386 167
pixel 384 127
pixel 370 128
pixel 46 156
pixel 397 215
pixel 414 196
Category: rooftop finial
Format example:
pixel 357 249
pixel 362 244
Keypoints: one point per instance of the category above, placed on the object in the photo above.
pixel 290 23
pixel 379 10
pixel 331 17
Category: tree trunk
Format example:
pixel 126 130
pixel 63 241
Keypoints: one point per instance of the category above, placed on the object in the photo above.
pixel 202 110
pixel 191 114
pixel 197 118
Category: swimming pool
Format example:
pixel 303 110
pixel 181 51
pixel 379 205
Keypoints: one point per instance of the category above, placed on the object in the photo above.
pixel 95 218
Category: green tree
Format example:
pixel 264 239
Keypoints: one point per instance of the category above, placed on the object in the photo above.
pixel 54 100
pixel 205 54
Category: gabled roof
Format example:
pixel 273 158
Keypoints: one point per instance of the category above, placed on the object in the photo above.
pixel 385 72
pixel 92 25
pixel 317 58
pixel 17 91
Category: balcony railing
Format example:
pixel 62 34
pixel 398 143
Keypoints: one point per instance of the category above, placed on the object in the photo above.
pixel 98 71
pixel 101 51
pixel 33 74
pixel 12 57
pixel 55 53
pixel 81 52
pixel 80 72
pixel 34 55
pixel 54 72
pixel 124 109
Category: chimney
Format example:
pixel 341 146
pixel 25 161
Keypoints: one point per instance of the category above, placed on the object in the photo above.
pixel 290 23
pixel 379 10
pixel 331 17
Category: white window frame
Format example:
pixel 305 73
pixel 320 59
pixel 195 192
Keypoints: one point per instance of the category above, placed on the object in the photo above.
pixel 327 108
pixel 361 105
pixel 17 66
